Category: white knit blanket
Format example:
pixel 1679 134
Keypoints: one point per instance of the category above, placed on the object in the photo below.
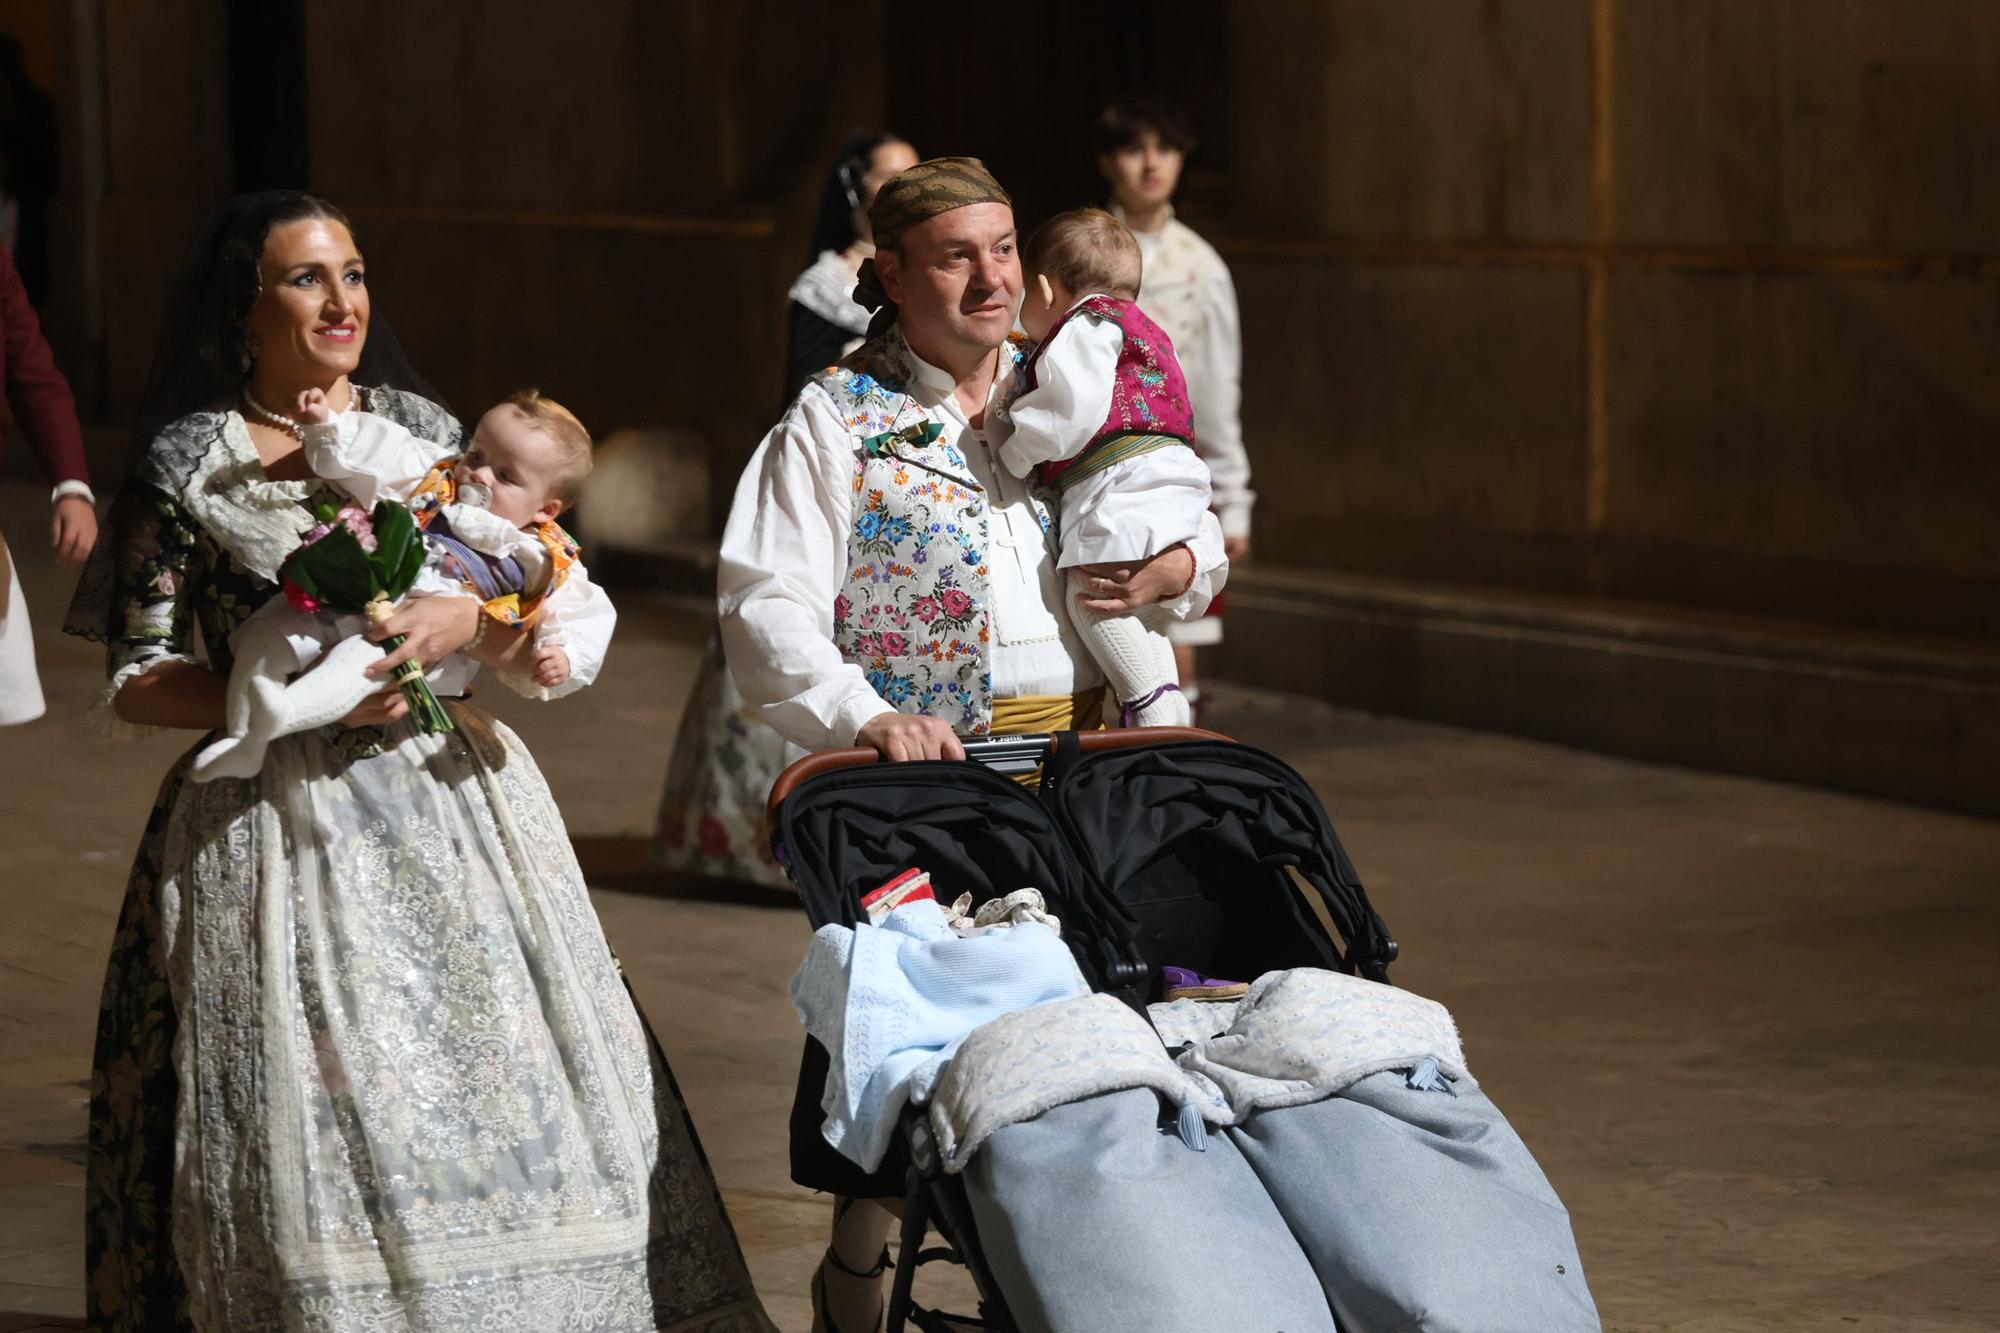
pixel 1297 1036
pixel 1305 1034
pixel 1018 1066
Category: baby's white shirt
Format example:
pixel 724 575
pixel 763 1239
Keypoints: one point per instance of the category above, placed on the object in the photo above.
pixel 1075 374
pixel 373 459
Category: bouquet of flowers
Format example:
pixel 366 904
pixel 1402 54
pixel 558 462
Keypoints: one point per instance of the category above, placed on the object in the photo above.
pixel 356 563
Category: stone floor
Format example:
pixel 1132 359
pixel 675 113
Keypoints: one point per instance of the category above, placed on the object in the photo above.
pixel 1750 1030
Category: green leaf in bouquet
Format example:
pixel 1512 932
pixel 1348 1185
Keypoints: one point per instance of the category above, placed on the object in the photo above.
pixel 302 576
pixel 337 568
pixel 399 549
pixel 413 564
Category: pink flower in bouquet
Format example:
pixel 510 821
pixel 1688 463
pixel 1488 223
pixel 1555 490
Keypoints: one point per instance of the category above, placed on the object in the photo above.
pixel 300 599
pixel 355 519
pixel 361 525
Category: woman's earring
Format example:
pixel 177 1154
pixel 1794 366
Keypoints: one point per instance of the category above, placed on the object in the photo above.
pixel 249 351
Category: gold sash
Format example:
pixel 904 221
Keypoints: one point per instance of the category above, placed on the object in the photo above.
pixel 1033 713
pixel 1037 713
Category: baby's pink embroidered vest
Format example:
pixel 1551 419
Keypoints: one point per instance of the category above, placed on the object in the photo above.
pixel 1148 392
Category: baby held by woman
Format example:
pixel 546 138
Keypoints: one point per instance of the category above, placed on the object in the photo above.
pixel 488 520
pixel 1105 421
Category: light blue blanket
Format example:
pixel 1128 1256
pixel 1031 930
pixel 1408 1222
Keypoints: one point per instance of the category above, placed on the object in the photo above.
pixel 891 1003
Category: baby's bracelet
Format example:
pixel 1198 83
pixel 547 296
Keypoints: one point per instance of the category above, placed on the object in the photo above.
pixel 479 630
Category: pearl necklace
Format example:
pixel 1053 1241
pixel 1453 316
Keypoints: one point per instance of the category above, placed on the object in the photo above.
pixel 284 423
pixel 290 425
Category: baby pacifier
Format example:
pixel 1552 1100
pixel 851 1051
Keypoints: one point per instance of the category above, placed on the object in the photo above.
pixel 475 495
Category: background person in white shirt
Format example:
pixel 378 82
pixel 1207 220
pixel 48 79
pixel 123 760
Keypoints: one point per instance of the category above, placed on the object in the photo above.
pixel 1142 144
pixel 885 582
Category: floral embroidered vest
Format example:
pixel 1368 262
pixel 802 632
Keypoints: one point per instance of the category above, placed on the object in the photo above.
pixel 1149 394
pixel 913 612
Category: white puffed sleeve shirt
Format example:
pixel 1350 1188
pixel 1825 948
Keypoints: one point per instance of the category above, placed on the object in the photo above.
pixel 784 560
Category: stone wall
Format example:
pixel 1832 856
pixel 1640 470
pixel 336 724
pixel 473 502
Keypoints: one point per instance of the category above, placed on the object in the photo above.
pixel 607 201
pixel 1691 302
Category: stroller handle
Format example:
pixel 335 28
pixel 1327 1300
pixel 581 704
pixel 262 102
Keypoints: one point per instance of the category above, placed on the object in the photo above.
pixel 1003 754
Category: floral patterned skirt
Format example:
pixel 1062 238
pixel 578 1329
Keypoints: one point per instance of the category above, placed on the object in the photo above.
pixel 711 818
pixel 366 1062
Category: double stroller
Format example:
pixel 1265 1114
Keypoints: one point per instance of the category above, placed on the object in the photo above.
pixel 1154 847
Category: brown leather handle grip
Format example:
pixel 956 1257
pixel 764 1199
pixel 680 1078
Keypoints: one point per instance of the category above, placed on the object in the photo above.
pixel 828 761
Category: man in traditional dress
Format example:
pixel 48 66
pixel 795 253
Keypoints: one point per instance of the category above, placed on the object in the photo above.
pixel 885 582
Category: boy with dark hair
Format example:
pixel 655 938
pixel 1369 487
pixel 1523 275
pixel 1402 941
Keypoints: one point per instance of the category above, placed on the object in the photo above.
pixel 1142 144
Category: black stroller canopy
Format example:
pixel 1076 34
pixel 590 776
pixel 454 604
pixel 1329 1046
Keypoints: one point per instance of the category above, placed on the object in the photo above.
pixel 1196 841
pixel 845 833
pixel 1178 854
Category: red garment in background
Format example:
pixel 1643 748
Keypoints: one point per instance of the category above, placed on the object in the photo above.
pixel 37 393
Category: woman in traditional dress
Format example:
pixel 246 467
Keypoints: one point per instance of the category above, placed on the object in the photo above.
pixel 711 819
pixel 364 1060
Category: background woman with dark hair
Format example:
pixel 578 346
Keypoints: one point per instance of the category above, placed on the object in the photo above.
pixel 711 819
pixel 364 1058
pixel 825 322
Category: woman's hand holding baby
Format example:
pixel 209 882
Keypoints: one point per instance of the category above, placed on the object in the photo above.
pixel 379 710
pixel 433 628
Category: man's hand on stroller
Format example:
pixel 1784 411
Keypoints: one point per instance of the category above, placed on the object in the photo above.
pixel 902 736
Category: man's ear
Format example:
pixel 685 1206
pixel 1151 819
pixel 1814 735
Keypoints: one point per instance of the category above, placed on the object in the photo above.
pixel 547 513
pixel 889 271
pixel 1106 168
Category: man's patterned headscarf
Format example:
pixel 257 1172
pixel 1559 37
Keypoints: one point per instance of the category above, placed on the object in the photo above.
pixel 918 195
